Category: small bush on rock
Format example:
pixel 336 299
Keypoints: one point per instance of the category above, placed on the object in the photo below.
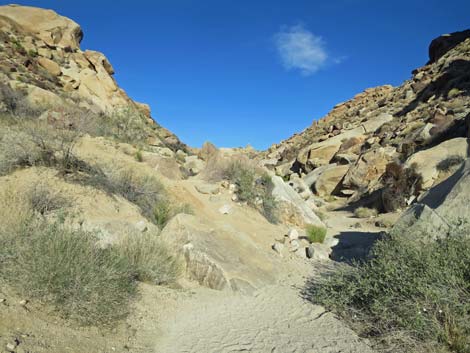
pixel 449 163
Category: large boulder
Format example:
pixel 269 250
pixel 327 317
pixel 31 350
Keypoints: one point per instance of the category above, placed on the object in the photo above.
pixel 218 257
pixel 53 29
pixel 427 161
pixel 283 193
pixel 329 180
pixel 368 169
pixel 444 43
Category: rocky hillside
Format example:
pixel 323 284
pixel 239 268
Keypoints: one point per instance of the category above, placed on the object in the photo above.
pixel 40 56
pixel 423 122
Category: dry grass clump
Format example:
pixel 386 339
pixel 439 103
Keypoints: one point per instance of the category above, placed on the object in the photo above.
pixel 150 258
pixel 364 212
pixel 46 260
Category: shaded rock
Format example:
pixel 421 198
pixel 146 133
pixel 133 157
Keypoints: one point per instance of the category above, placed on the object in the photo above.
pixel 194 165
pixel 444 43
pixel 278 247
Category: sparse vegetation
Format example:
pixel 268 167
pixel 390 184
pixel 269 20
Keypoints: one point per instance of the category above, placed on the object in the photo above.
pixel 450 163
pixel 43 200
pixel 364 212
pixel 48 261
pixel 254 186
pixel 315 234
pixel 412 294
pixel 139 156
pixel 400 184
pixel 149 258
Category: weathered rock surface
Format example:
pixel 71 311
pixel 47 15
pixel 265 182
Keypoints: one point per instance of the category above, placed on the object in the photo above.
pixel 427 161
pixel 217 257
pixel 285 194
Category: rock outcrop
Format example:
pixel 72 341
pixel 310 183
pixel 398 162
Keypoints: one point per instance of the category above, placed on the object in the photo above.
pixel 40 55
pixel 428 115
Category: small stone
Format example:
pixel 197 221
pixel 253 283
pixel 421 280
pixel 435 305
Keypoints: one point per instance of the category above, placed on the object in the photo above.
pixel 278 247
pixel 300 252
pixel 10 347
pixel 141 226
pixel 293 234
pixel 234 197
pixel 232 187
pixel 295 245
pixel 23 302
pixel 3 301
pixel 207 189
pixel 225 209
pixel 225 184
pixel 310 251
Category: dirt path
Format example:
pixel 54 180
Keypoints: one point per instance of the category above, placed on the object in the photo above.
pixel 274 319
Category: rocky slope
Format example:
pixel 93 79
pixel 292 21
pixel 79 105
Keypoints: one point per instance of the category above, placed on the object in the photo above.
pixel 423 122
pixel 40 56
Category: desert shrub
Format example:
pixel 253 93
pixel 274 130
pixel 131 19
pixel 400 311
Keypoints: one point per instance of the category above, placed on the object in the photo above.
pixel 139 156
pixel 125 125
pixel 400 184
pixel 43 199
pixel 315 234
pixel 412 292
pixel 254 186
pixel 14 102
pixel 64 267
pixel 449 163
pixel 33 142
pixel 145 191
pixel 149 258
pixel 364 212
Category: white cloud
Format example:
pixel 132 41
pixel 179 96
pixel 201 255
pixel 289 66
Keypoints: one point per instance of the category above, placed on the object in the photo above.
pixel 301 49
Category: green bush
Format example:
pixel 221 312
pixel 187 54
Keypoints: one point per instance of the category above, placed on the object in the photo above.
pixel 412 291
pixel 315 234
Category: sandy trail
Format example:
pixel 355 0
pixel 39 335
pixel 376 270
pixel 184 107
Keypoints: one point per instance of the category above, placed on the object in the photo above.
pixel 274 319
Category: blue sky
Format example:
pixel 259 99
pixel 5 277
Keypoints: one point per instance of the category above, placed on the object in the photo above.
pixel 246 71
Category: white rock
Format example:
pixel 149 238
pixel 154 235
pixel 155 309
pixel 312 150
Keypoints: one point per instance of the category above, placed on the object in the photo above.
pixel 295 245
pixel 234 197
pixel 225 209
pixel 278 247
pixel 293 234
pixel 141 226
